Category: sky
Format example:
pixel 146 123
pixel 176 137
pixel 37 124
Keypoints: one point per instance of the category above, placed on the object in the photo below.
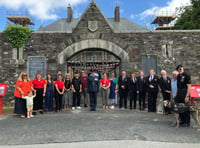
pixel 44 12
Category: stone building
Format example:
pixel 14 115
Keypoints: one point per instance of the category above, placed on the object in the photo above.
pixel 94 41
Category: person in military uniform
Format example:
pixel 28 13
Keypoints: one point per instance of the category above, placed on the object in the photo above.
pixel 123 83
pixel 183 92
pixel 93 89
pixel 165 86
pixel 152 90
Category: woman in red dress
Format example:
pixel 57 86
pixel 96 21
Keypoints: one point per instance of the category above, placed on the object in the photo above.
pixel 23 86
pixel 60 87
pixel 39 85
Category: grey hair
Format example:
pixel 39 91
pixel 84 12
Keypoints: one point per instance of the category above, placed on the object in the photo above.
pixel 175 72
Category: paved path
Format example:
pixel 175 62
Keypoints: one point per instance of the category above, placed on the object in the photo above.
pixel 113 127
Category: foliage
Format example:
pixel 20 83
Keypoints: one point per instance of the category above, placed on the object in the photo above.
pixel 17 35
pixel 190 18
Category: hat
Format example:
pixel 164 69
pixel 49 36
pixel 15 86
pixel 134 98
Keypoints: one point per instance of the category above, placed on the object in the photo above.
pixel 178 67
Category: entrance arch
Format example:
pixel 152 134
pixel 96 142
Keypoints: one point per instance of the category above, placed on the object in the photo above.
pixel 92 44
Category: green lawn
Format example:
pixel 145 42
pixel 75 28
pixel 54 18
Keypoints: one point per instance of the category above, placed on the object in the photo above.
pixel 8 110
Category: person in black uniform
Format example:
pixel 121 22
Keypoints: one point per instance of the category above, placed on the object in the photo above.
pixel 133 90
pixel 123 82
pixel 93 89
pixel 152 90
pixel 165 86
pixel 141 82
pixel 183 92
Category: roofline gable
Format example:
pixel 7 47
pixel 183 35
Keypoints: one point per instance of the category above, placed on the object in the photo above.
pixel 93 2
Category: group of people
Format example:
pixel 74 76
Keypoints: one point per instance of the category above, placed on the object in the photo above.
pixel 68 92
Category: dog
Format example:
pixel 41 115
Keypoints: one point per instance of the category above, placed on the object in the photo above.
pixel 176 107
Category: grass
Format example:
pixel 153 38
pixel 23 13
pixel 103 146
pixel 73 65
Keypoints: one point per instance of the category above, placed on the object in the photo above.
pixel 8 110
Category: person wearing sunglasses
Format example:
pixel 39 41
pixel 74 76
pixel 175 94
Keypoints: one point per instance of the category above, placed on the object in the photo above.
pixel 23 86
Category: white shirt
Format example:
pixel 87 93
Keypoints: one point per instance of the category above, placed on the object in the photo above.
pixel 29 100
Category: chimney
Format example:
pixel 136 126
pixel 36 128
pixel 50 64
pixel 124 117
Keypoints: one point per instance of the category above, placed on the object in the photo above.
pixel 69 13
pixel 117 14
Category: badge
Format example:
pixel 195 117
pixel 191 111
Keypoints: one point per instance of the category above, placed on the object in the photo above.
pixel 93 26
pixel 182 78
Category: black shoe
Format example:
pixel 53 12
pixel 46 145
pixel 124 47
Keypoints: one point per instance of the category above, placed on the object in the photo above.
pixel 134 107
pixel 41 112
pixel 85 105
pixel 185 125
pixel 130 108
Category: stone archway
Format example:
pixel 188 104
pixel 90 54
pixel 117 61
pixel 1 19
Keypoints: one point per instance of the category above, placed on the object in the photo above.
pixel 90 44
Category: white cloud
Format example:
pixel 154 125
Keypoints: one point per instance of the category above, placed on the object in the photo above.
pixel 42 9
pixel 170 7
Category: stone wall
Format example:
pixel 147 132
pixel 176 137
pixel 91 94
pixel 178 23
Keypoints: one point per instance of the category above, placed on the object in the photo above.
pixel 183 47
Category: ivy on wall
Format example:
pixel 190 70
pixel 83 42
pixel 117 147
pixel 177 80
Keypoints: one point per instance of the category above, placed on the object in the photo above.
pixel 17 36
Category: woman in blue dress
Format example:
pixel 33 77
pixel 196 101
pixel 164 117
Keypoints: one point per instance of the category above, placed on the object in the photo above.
pixel 113 90
pixel 49 94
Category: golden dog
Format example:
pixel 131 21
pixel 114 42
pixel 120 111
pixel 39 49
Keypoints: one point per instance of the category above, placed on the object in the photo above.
pixel 194 112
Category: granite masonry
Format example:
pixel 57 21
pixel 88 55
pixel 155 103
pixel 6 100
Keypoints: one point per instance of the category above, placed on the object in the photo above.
pixel 134 48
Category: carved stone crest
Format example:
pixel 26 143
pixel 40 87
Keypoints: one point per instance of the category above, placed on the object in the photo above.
pixel 93 26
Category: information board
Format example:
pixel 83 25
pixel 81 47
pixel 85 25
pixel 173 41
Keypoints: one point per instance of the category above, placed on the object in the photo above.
pixel 36 64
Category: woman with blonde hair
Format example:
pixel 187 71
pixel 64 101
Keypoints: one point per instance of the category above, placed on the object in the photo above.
pixel 67 96
pixel 23 86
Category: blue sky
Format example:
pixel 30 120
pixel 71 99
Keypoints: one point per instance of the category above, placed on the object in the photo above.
pixel 47 11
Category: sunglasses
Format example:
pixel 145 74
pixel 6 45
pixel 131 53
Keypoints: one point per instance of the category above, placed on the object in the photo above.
pixel 24 75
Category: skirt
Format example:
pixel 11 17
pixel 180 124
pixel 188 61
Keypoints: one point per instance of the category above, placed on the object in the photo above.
pixel 20 106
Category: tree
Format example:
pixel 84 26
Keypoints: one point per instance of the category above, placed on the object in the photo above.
pixel 17 36
pixel 190 18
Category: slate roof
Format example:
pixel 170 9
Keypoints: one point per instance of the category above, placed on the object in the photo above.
pixel 124 26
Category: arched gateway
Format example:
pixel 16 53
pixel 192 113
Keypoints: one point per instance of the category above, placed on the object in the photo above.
pixel 104 56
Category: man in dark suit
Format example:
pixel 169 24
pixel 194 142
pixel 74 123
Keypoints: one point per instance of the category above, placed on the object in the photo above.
pixel 133 89
pixel 165 86
pixel 123 82
pixel 141 82
pixel 152 90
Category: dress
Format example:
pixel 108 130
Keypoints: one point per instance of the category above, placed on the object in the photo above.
pixel 49 97
pixel 67 96
pixel 113 83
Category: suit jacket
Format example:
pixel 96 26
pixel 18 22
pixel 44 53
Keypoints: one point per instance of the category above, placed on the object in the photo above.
pixel 124 82
pixel 141 84
pixel 133 86
pixel 165 84
pixel 154 82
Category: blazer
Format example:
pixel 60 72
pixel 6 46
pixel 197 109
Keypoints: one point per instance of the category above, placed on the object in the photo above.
pixel 124 82
pixel 165 84
pixel 141 84
pixel 133 86
pixel 154 82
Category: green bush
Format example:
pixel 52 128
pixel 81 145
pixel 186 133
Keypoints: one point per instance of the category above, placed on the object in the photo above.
pixel 17 36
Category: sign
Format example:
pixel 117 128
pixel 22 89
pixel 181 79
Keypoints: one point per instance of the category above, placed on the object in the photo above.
pixel 36 64
pixel 3 89
pixel 92 26
pixel 195 91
